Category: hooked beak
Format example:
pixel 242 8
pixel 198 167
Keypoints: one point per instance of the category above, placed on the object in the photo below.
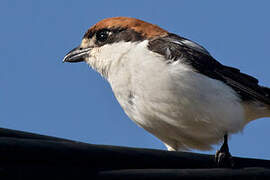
pixel 77 55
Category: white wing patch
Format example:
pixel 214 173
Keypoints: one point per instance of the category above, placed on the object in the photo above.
pixel 192 45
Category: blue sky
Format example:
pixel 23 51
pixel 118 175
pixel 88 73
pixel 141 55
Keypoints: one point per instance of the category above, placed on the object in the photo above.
pixel 38 93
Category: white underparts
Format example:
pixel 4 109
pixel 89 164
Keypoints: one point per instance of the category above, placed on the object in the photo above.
pixel 183 108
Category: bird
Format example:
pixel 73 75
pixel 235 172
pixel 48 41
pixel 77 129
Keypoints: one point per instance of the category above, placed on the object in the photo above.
pixel 172 86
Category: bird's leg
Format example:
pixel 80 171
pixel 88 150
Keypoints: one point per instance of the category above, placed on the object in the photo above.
pixel 223 156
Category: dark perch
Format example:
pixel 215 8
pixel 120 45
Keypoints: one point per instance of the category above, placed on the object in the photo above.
pixel 30 156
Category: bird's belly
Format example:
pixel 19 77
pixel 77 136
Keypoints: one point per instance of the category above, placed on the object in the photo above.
pixel 185 128
pixel 187 111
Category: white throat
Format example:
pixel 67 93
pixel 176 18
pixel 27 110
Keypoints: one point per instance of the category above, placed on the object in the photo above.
pixel 110 56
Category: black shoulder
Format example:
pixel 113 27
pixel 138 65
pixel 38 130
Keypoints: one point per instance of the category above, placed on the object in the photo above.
pixel 176 48
pixel 172 45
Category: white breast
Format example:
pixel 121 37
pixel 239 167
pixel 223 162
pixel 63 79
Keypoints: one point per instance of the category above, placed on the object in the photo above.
pixel 181 107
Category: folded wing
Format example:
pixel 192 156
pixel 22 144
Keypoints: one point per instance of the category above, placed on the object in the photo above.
pixel 176 48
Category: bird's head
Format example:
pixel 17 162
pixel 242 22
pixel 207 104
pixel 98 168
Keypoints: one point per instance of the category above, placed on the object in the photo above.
pixel 110 39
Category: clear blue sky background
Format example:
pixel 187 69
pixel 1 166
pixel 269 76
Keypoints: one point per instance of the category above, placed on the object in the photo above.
pixel 40 94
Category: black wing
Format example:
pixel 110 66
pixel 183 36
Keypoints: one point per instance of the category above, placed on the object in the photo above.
pixel 175 48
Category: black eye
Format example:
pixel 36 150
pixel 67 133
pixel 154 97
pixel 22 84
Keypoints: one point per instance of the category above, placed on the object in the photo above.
pixel 102 35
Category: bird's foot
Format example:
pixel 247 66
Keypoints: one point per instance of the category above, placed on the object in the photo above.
pixel 224 159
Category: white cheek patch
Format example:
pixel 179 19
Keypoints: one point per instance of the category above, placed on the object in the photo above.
pixel 94 53
pixel 102 58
